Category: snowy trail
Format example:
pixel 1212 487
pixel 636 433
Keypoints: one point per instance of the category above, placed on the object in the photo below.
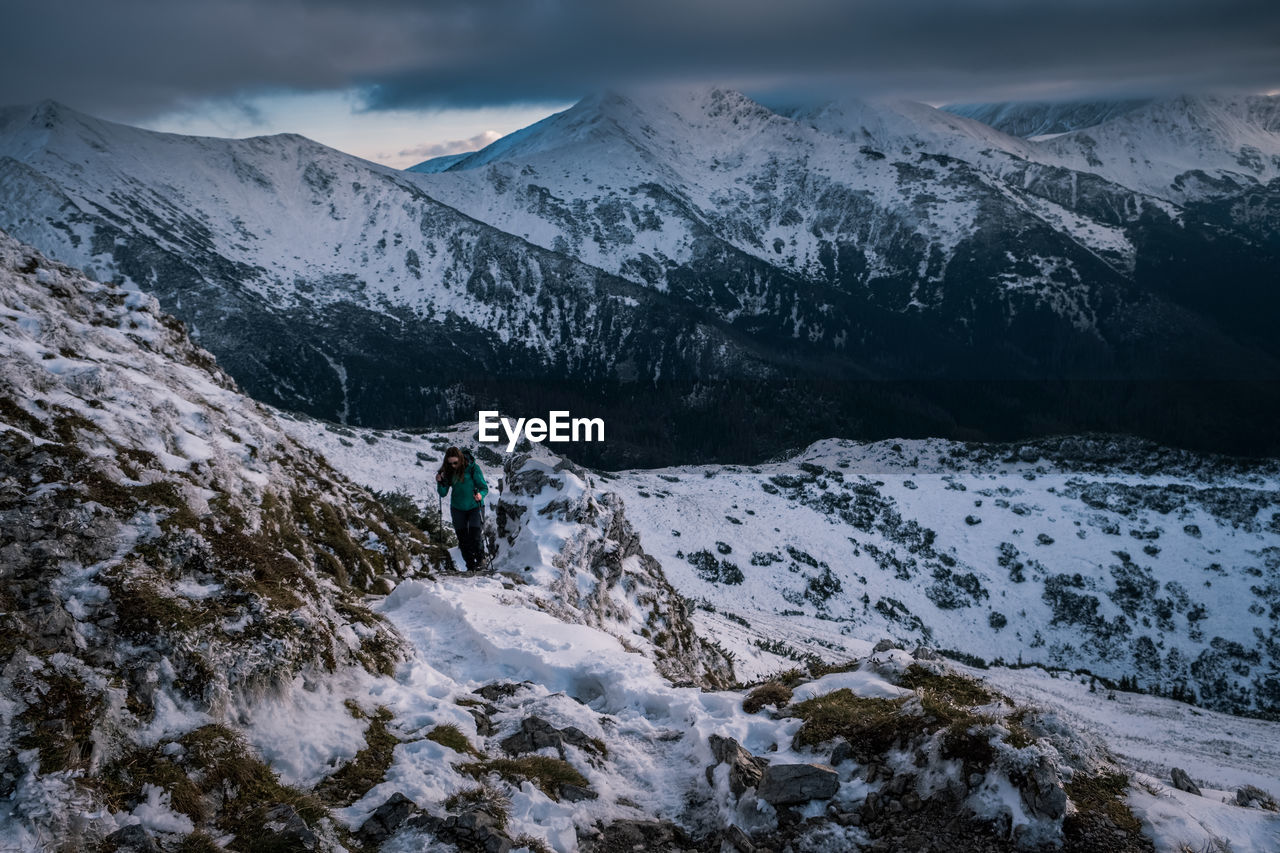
pixel 476 633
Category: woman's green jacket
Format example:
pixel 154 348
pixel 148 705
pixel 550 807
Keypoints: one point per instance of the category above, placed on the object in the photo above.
pixel 464 489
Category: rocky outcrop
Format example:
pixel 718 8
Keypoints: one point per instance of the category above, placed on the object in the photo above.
pixel 536 733
pixel 604 577
pixel 624 836
pixel 791 784
pixel 745 769
pixel 386 819
pixel 165 544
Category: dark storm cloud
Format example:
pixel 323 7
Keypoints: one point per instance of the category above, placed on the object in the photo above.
pixel 133 58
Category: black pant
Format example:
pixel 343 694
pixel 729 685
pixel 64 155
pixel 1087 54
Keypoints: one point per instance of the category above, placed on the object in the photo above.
pixel 469 525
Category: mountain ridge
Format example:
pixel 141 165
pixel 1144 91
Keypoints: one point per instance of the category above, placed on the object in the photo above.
pixel 697 238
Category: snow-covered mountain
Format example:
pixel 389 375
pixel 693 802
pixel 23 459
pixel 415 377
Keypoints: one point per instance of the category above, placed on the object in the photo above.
pixel 697 249
pixel 329 283
pixel 1184 149
pixel 1045 118
pixel 214 640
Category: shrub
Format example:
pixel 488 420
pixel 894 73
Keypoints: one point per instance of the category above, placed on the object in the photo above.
pixel 772 693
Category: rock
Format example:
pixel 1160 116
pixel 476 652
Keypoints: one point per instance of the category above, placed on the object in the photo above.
pixel 386 819
pixel 536 733
pixel 898 785
pixel 871 807
pixel 788 816
pixel 911 801
pixel 484 725
pixel 1250 796
pixel 575 736
pixel 842 753
pixel 475 830
pixel 783 784
pixel 1043 795
pixel 132 839
pixel 528 481
pixel 576 794
pixel 285 829
pixel 745 769
pixel 1183 782
pixel 884 646
pixel 737 839
pixel 650 836
pixel 498 690
pixel 498 843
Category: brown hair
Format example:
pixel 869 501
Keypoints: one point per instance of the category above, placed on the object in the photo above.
pixel 452 475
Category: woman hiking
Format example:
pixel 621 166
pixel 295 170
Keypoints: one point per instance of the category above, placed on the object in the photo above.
pixel 466 505
pixel 461 474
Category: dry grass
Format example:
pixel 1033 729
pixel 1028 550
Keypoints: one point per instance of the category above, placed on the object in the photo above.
pixel 548 774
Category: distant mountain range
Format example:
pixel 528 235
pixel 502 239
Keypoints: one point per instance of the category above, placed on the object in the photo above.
pixel 715 279
pixel 1045 118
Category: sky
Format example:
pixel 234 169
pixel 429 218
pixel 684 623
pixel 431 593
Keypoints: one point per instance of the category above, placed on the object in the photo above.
pixel 398 81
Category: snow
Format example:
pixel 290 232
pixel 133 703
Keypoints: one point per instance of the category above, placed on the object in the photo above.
pixel 1176 820
pixel 468 633
pixel 464 633
pixel 156 814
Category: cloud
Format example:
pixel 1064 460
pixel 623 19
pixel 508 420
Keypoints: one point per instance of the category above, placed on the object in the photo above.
pixel 134 58
pixel 444 149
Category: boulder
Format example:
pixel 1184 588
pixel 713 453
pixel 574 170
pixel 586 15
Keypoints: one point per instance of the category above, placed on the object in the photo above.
pixel 285 829
pixel 475 830
pixel 386 819
pixel 133 838
pixel 536 733
pixel 745 769
pixel 576 794
pixel 785 784
pixel 1251 797
pixel 1043 794
pixel 1183 782
pixel 650 836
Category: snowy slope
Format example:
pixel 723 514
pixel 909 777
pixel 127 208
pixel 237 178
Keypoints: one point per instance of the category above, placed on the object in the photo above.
pixel 171 559
pixel 770 627
pixel 1182 149
pixel 1030 553
pixel 1098 552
